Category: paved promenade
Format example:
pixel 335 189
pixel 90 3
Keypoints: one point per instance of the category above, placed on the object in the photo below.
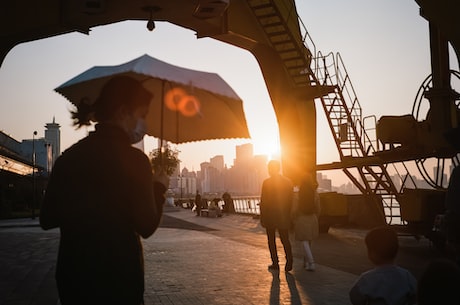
pixel 199 260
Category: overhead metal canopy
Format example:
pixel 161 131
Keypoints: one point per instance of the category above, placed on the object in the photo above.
pixel 31 20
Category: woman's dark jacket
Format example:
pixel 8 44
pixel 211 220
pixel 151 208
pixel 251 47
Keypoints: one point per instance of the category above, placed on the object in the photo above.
pixel 102 197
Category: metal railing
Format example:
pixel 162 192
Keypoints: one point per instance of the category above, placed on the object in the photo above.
pixel 242 204
pixel 247 205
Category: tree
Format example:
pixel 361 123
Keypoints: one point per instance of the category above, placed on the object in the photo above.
pixel 167 160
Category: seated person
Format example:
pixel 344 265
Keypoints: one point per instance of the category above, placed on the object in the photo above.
pixel 214 206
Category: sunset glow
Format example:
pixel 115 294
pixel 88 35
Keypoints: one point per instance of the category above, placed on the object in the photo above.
pixel 44 64
pixel 267 145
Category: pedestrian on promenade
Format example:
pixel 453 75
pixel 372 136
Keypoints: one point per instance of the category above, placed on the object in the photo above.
pixel 198 203
pixel 439 283
pixel 306 211
pixel 387 283
pixel 228 203
pixel 275 213
pixel 103 196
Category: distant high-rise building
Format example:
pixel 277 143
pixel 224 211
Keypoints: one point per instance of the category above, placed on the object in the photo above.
pixel 53 137
pixel 244 153
pixel 217 162
pixel 324 184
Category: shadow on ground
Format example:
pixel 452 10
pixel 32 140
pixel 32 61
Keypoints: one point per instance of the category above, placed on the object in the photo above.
pixel 175 223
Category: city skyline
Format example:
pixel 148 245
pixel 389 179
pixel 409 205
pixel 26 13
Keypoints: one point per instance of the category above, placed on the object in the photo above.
pixel 46 154
pixel 415 181
pixel 211 170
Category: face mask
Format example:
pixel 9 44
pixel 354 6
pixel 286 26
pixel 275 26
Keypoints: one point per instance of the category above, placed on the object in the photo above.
pixel 138 133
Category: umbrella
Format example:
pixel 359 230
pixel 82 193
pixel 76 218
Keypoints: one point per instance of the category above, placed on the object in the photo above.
pixel 188 105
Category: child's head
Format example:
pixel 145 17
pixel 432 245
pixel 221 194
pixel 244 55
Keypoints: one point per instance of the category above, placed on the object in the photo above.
pixel 382 245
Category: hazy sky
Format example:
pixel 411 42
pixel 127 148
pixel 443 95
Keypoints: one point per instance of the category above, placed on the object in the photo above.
pixel 384 44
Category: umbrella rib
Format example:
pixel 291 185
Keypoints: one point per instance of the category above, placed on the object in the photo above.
pixel 162 113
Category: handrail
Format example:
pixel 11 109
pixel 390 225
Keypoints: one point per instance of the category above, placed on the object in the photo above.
pixel 368 139
pixel 247 205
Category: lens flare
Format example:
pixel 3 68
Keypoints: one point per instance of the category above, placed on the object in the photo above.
pixel 189 106
pixel 173 98
pixel 177 99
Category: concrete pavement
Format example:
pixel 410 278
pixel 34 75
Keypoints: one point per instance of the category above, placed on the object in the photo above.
pixel 200 260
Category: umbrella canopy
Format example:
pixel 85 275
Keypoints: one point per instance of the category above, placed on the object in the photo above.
pixel 188 105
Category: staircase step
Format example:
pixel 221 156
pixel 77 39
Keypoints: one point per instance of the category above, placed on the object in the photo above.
pixel 290 54
pixel 260 4
pixel 278 31
pixel 296 63
pixel 265 13
pixel 285 46
pixel 277 39
pixel 271 21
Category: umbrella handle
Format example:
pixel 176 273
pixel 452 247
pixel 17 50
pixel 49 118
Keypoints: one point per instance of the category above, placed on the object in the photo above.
pixel 162 117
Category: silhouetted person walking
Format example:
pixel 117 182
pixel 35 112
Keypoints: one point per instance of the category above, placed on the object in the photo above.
pixel 103 197
pixel 275 213
pixel 228 203
pixel 198 203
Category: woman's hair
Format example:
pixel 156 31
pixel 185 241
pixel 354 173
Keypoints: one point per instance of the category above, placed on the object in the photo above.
pixel 307 193
pixel 118 92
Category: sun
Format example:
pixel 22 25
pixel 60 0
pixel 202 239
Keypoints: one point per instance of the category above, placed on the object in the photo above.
pixel 269 146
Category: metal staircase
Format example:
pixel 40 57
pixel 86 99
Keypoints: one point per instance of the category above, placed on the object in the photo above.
pixel 280 22
pixel 354 144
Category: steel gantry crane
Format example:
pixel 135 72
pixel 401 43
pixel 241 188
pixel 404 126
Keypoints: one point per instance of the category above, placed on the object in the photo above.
pixel 295 75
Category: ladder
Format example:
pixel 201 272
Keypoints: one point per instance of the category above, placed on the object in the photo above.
pixel 345 118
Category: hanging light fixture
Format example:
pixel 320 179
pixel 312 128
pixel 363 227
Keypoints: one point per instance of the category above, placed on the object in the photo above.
pixel 151 10
pixel 151 23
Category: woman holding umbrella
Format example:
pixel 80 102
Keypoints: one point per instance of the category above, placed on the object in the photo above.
pixel 103 197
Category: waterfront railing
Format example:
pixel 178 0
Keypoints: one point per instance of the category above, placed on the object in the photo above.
pixel 247 205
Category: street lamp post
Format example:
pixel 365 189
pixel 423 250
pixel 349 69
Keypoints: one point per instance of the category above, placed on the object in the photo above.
pixel 181 186
pixel 180 181
pixel 33 174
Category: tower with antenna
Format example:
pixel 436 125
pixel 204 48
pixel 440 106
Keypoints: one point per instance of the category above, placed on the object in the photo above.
pixel 53 137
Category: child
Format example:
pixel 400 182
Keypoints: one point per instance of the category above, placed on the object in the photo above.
pixel 387 283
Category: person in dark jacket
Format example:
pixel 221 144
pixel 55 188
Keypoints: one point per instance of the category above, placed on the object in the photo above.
pixel 198 203
pixel 275 213
pixel 228 203
pixel 103 197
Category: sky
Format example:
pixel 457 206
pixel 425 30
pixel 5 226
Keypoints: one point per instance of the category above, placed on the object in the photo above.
pixel 383 43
